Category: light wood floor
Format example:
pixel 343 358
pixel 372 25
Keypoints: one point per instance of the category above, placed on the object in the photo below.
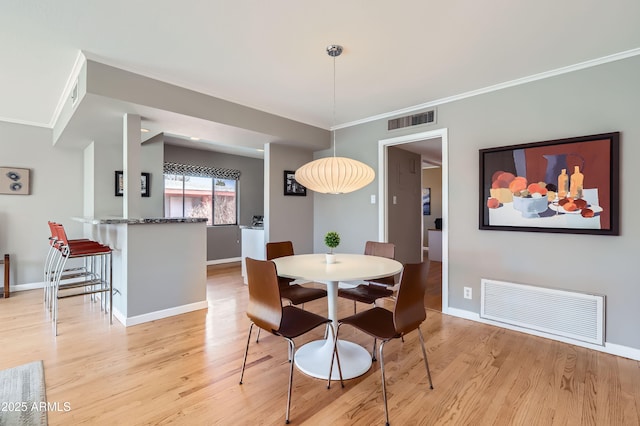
pixel 184 370
pixel 433 293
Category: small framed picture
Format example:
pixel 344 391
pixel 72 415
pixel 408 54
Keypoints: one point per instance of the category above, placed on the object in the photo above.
pixel 14 181
pixel 145 184
pixel 291 185
pixel 426 201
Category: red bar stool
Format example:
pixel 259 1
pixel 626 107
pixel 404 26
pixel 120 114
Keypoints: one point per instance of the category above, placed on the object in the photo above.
pixel 51 262
pixel 96 277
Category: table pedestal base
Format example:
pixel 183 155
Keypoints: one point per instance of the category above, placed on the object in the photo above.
pixel 314 357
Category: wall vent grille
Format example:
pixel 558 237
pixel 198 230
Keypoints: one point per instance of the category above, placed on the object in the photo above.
pixel 74 93
pixel 428 117
pixel 564 313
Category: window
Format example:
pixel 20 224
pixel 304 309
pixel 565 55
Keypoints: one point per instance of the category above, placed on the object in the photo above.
pixel 201 196
pixel 224 202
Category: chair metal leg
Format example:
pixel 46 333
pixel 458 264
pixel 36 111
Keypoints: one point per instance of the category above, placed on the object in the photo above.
pixel 424 354
pixel 258 336
pixel 244 362
pixel 111 288
pixel 373 352
pixel 292 349
pixel 53 277
pixel 47 271
pixel 93 272
pixel 57 278
pixel 384 386
pixel 55 311
pixel 335 355
pixel 354 307
pixel 48 277
pixel 110 284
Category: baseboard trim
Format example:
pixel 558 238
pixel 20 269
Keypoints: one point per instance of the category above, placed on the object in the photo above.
pixel 610 348
pixel 165 313
pixel 27 286
pixel 219 261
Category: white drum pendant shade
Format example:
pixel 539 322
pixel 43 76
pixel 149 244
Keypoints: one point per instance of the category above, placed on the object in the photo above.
pixel 335 175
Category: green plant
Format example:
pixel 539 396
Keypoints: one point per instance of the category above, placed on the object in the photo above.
pixel 332 240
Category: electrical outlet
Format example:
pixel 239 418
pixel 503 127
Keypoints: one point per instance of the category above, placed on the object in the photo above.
pixel 467 293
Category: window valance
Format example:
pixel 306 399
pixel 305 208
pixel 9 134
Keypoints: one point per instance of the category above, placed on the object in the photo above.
pixel 202 171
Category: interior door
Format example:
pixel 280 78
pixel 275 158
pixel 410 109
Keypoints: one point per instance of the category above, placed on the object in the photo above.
pixel 404 203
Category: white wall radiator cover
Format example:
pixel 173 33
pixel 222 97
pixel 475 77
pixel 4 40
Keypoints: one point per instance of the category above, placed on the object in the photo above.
pixel 574 315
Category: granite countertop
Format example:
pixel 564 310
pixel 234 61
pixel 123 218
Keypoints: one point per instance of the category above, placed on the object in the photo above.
pixel 138 221
pixel 260 228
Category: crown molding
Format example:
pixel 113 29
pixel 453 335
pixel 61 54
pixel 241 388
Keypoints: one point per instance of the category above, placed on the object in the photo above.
pixel 24 122
pixel 517 82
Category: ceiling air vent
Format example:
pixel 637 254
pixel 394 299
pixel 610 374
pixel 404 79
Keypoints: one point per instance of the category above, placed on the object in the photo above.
pixel 427 117
pixel 74 93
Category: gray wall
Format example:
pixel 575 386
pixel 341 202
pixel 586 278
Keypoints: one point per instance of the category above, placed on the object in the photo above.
pixel 290 217
pixel 405 215
pixel 110 82
pixel 101 159
pixel 56 195
pixel 100 199
pixel 223 242
pixel 352 215
pixel 590 101
pixel 151 161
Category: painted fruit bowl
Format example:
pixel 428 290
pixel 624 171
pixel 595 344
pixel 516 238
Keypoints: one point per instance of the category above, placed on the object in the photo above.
pixel 530 206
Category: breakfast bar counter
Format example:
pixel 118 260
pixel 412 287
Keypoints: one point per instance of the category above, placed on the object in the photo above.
pixel 159 265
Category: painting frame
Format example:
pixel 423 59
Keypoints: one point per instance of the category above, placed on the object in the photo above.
pixel 426 201
pixel 292 186
pixel 591 197
pixel 145 184
pixel 15 181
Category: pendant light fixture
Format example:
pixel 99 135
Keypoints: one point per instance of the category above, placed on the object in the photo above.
pixel 334 175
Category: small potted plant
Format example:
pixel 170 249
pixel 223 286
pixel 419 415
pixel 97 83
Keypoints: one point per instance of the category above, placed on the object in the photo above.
pixel 331 240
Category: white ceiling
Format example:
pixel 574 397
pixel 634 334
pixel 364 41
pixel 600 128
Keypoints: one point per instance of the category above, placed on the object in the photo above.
pixel 271 55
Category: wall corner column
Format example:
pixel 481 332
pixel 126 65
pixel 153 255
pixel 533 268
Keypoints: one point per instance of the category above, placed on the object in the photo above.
pixel 131 147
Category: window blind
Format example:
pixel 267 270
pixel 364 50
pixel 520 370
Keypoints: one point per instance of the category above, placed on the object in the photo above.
pixel 201 171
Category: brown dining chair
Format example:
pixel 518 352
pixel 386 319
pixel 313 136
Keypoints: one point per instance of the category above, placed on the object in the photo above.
pixel 295 293
pixel 374 289
pixel 266 311
pixel 408 314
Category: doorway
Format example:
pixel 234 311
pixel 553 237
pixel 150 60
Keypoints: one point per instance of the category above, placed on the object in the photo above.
pixel 383 230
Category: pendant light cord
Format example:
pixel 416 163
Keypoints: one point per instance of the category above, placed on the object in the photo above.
pixel 327 175
pixel 333 132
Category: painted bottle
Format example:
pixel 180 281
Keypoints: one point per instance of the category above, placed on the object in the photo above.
pixel 563 184
pixel 577 180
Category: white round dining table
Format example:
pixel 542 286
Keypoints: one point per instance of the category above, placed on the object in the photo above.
pixel 314 358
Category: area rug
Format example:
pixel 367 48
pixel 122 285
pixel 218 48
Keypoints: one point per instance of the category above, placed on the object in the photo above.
pixel 22 395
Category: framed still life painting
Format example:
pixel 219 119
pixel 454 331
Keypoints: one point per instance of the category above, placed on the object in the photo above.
pixel 560 186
